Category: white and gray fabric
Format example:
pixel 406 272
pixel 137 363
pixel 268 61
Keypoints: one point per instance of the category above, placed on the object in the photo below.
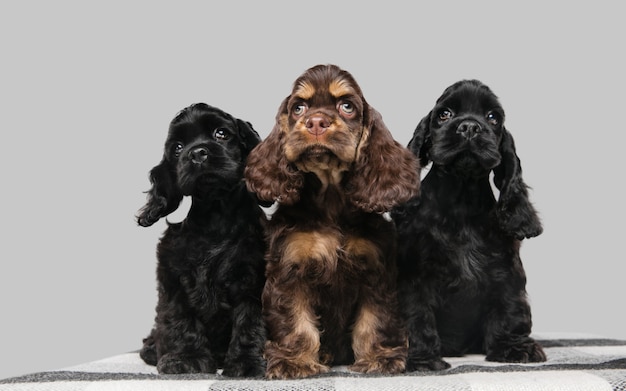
pixel 573 364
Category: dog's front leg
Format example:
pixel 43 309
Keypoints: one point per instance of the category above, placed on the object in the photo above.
pixel 302 262
pixel 508 324
pixel 292 350
pixel 245 351
pixel 424 352
pixel 378 337
pixel 180 339
pixel 378 340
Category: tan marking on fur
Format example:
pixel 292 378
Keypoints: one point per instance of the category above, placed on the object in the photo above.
pixel 328 169
pixel 364 334
pixel 312 250
pixel 369 355
pixel 362 247
pixel 362 142
pixel 297 354
pixel 283 121
pixel 366 253
pixel 304 90
pixel 292 367
pixel 340 87
pixel 305 323
pixel 389 361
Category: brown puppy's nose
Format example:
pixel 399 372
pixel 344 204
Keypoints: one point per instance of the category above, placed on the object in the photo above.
pixel 317 125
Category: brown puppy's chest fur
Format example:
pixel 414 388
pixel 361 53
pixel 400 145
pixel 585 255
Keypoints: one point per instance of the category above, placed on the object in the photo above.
pixel 323 252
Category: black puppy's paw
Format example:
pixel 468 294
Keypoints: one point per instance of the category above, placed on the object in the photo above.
pixel 178 363
pixel 423 365
pixel 243 368
pixel 522 353
pixel 148 352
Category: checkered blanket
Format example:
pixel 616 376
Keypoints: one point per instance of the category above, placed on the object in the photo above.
pixel 573 364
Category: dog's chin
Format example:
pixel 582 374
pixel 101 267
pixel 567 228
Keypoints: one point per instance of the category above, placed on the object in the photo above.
pixel 319 157
pixel 317 152
pixel 469 165
pixel 206 184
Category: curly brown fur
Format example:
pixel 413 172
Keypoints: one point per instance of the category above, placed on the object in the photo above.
pixel 210 266
pixel 333 168
pixel 461 280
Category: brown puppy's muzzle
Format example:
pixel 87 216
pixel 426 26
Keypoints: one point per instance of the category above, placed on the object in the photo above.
pixel 317 124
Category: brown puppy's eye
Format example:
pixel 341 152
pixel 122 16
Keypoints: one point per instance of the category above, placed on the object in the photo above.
pixel 493 118
pixel 299 109
pixel 346 108
pixel 445 115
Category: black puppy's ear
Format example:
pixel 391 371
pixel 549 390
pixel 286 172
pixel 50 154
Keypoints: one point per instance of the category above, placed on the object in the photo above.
pixel 514 212
pixel 164 196
pixel 421 143
pixel 248 136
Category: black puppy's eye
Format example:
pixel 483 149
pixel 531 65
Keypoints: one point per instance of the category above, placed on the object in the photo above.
pixel 493 118
pixel 445 115
pixel 178 149
pixel 221 134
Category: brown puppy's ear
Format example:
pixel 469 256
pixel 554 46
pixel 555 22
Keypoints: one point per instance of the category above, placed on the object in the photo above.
pixel 514 212
pixel 421 143
pixel 385 173
pixel 163 198
pixel 267 172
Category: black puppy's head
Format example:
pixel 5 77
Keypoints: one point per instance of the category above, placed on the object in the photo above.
pixel 464 130
pixel 205 151
pixel 464 134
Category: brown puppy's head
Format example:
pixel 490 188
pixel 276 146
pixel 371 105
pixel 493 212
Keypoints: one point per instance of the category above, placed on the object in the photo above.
pixel 325 127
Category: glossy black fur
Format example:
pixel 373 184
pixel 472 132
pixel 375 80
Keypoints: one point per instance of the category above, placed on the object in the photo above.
pixel 461 280
pixel 210 266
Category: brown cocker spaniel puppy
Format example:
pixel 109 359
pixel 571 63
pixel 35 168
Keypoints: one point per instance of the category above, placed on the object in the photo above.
pixel 333 168
pixel 461 279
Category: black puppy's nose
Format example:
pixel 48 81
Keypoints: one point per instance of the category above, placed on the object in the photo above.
pixel 199 155
pixel 468 129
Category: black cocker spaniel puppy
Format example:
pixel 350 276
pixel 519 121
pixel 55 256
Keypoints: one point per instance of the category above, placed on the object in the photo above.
pixel 210 266
pixel 461 280
pixel 333 167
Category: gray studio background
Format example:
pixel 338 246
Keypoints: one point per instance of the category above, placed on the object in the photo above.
pixel 87 90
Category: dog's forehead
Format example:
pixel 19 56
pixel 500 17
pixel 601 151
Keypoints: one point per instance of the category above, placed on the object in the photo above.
pixel 324 90
pixel 195 122
pixel 469 97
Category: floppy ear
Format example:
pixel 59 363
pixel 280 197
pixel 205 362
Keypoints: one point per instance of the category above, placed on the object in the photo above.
pixel 267 172
pixel 385 173
pixel 514 212
pixel 164 196
pixel 421 143
pixel 248 136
